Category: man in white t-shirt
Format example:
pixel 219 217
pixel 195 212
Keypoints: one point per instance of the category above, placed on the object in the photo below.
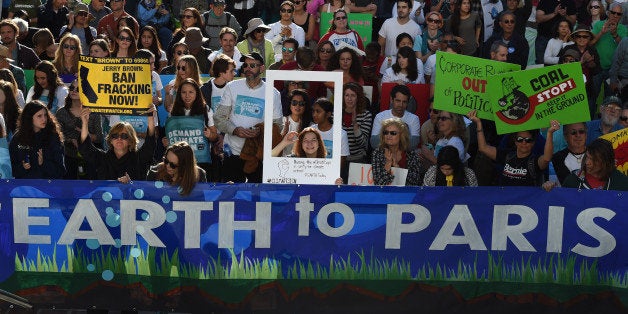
pixel 397 25
pixel 241 108
pixel 400 95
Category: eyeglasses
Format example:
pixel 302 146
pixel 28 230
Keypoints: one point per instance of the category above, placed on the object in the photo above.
pixel 186 16
pixel 393 133
pixel 616 13
pixel 323 50
pixel 124 38
pixel 595 7
pixel 298 103
pixel 429 20
pixel 301 84
pixel 508 21
pixel 444 118
pixel 250 65
pixel 181 52
pixel 122 136
pixel 71 47
pixel 612 108
pixel 623 118
pixel 82 13
pixel 289 50
pixel 73 88
pixel 181 68
pixel 574 132
pixel 582 36
pixel 338 18
pixel 170 164
pixel 286 10
pixel 521 139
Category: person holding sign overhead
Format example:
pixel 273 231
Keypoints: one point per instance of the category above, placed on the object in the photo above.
pixel 178 168
pixel 123 161
pixel 394 151
pixel 521 167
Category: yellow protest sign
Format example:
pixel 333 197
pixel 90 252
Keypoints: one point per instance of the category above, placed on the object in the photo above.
pixel 119 86
pixel 619 139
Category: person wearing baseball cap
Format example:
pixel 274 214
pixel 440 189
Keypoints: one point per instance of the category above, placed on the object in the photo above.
pixel 254 41
pixel 217 18
pixel 78 24
pixel 240 110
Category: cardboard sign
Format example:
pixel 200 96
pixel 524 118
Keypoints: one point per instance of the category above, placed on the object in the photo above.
pixel 527 100
pixel 115 85
pixel 362 174
pixel 301 170
pixel 189 129
pixel 619 139
pixel 359 22
pixel 420 93
pixel 463 83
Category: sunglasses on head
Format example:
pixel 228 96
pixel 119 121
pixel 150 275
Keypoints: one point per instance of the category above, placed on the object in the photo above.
pixel 125 38
pixel 290 50
pixel 393 133
pixel 250 65
pixel 122 136
pixel 170 164
pixel 574 132
pixel 298 103
pixel 73 88
pixel 180 52
pixel 71 47
pixel 286 10
pixel 521 139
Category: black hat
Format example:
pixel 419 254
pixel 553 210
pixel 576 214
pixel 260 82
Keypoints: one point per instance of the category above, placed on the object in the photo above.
pixel 252 55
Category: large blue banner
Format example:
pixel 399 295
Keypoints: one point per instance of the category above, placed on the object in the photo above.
pixel 565 237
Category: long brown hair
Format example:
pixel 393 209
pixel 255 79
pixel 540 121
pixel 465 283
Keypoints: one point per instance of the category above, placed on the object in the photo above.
pixel 11 110
pixel 298 146
pixel 187 172
pixel 59 61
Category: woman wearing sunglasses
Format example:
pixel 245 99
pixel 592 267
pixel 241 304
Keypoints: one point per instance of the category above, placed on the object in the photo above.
pixel 125 44
pixel 339 31
pixel 190 17
pixel 69 118
pixel 300 115
pixel 324 51
pixel 451 132
pixel 178 168
pixel 521 167
pixel 67 57
pixel 394 152
pixel 431 35
pixel 187 67
pixel 178 50
pixel 122 161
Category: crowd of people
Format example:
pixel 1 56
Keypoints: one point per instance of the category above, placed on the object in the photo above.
pixel 51 134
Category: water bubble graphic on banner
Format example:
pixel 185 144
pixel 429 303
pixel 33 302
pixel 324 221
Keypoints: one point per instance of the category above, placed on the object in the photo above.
pixel 139 193
pixel 107 275
pixel 135 252
pixel 92 243
pixel 113 220
pixel 91 267
pixel 165 199
pixel 107 197
pixel 159 184
pixel 109 210
pixel 171 216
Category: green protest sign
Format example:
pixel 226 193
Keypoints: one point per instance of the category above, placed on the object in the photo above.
pixel 189 129
pixel 359 22
pixel 462 83
pixel 529 99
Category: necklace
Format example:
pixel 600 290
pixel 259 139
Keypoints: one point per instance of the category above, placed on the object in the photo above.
pixel 577 156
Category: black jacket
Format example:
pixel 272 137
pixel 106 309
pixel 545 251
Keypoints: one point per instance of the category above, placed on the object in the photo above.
pixel 518 49
pixel 109 167
pixel 52 150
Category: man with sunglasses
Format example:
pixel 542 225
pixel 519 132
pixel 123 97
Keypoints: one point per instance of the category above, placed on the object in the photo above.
pixel 215 20
pixel 19 54
pixel 285 28
pixel 98 10
pixel 608 34
pixel 568 160
pixel 78 24
pixel 288 53
pixel 517 46
pixel 108 25
pixel 241 109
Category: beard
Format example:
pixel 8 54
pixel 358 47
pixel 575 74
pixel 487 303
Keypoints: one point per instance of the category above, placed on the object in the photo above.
pixel 609 120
